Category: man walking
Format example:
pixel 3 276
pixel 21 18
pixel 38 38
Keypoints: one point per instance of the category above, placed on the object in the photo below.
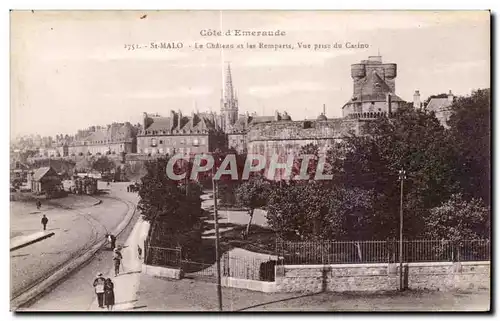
pixel 45 220
pixel 117 258
pixel 99 289
pixel 112 241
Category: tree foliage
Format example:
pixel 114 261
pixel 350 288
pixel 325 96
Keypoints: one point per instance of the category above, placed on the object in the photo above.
pixel 458 219
pixel 103 165
pixel 362 201
pixel 165 202
pixel 252 194
pixel 470 134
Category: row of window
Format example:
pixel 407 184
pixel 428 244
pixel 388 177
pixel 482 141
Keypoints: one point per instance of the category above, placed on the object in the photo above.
pixel 167 150
pixel 164 132
pixel 153 142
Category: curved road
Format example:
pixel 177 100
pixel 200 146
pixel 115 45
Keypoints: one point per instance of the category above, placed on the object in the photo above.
pixel 77 227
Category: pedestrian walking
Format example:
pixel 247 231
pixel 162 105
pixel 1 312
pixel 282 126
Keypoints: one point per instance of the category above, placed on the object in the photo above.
pixel 99 289
pixel 117 258
pixel 139 252
pixel 45 220
pixel 112 241
pixel 109 294
pixel 38 204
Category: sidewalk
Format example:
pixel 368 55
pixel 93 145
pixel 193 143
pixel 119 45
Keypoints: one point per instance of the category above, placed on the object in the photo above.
pixel 157 294
pixel 25 240
pixel 126 284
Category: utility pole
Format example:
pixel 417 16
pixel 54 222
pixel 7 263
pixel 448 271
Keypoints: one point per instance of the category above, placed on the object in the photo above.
pixel 402 177
pixel 216 226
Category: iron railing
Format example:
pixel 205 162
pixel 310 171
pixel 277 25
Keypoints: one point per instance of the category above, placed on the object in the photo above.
pixel 161 256
pixel 347 252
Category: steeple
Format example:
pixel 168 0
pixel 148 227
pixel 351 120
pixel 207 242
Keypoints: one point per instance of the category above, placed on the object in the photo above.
pixel 228 102
pixel 228 84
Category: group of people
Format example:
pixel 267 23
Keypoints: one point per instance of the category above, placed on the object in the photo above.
pixel 104 288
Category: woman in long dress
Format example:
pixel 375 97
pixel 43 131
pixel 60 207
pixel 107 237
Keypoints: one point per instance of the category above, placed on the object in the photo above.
pixel 109 294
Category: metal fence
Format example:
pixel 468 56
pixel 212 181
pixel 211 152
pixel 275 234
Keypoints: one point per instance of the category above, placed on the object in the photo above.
pixel 249 268
pixel 161 256
pixel 346 252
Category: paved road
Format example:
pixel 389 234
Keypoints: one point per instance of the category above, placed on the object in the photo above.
pixel 76 229
pixel 75 293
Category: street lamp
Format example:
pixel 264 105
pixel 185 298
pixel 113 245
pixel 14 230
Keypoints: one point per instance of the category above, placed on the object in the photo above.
pixel 402 177
pixel 216 226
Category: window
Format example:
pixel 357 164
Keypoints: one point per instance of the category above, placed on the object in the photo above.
pixel 153 142
pixel 196 142
pixel 202 142
pixel 161 142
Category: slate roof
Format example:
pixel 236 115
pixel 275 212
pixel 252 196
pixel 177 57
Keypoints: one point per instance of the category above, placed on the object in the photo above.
pixel 42 172
pixel 437 104
pixel 373 88
pixel 197 123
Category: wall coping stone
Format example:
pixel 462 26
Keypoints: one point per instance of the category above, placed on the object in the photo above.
pixel 382 265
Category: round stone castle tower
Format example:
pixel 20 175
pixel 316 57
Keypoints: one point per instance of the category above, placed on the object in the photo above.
pixel 374 89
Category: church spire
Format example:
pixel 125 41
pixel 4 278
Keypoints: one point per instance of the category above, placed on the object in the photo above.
pixel 229 102
pixel 228 85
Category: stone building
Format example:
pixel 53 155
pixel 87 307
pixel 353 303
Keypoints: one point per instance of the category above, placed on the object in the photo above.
pixel 442 108
pixel 198 133
pixel 373 96
pixel 374 90
pixel 111 139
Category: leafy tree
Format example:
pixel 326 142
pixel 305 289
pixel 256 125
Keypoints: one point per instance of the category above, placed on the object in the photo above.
pixel 318 210
pixel 470 134
pixel 164 203
pixel 252 194
pixel 458 219
pixel 412 140
pixel 103 164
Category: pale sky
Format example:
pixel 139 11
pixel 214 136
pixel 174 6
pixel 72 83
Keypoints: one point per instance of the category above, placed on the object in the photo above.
pixel 70 69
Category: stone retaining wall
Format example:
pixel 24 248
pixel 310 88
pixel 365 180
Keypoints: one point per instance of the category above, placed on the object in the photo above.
pixel 382 277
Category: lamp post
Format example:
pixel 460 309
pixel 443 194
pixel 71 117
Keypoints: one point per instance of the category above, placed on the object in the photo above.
pixel 216 227
pixel 402 177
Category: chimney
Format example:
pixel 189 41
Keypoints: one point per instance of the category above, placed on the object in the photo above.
pixel 416 100
pixel 450 97
pixel 324 109
pixel 172 120
pixel 389 104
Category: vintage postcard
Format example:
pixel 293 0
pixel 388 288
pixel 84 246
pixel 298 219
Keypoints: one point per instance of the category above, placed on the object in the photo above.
pixel 250 161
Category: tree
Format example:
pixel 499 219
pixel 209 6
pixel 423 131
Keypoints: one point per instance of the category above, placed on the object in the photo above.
pixel 252 194
pixel 103 165
pixel 412 140
pixel 165 204
pixel 470 134
pixel 458 219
